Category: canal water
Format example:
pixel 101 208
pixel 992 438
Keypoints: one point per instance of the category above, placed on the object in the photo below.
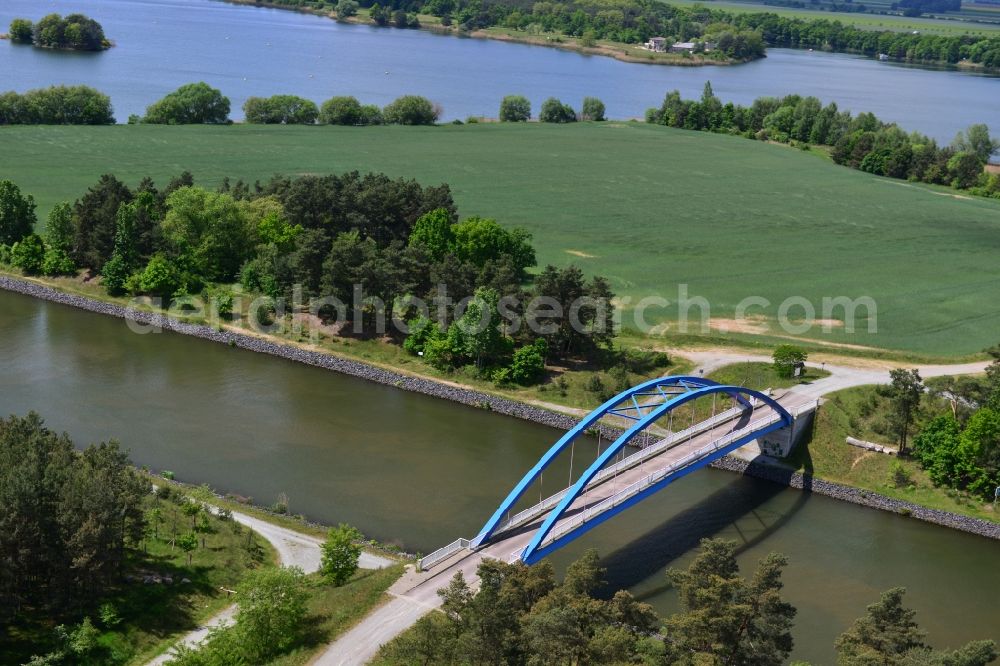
pixel 247 51
pixel 420 472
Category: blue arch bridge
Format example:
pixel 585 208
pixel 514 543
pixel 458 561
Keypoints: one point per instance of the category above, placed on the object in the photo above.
pixel 663 430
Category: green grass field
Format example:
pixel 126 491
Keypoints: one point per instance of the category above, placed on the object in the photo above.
pixel 972 21
pixel 650 207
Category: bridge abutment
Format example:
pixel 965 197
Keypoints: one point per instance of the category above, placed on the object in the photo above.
pixel 781 442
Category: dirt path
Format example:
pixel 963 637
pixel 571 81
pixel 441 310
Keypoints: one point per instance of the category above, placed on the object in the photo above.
pixel 294 549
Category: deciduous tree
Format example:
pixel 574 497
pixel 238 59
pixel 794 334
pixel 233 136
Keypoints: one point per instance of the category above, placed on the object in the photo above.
pixel 515 108
pixel 904 392
pixel 17 213
pixel 554 111
pixel 191 104
pixel 341 553
pixel 411 110
pixel 593 109
pixel 786 358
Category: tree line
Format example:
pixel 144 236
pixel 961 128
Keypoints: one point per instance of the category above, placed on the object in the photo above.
pixel 736 35
pixel 861 142
pixel 200 103
pixel 906 46
pixel 56 105
pixel 521 615
pixel 74 31
pixel 517 108
pixel 316 237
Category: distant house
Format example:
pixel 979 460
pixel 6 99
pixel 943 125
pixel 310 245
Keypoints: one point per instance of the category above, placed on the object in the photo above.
pixel 993 168
pixel 657 44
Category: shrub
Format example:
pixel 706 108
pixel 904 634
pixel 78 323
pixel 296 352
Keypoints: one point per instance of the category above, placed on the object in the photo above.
pixel 114 275
pixel 514 109
pixel 528 365
pixel 422 332
pixel 619 375
pixel 554 111
pixel 593 109
pixel 160 277
pixel 341 553
pixel 501 377
pixel 346 9
pixel 595 385
pixel 28 254
pixel 411 110
pixel 899 476
pixel 281 504
pixel 109 615
pixel 223 302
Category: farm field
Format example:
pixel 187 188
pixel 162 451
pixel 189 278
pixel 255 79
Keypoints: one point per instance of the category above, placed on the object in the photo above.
pixel 972 20
pixel 651 208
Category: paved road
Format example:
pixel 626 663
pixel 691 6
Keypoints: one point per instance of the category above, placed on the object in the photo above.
pixel 361 644
pixel 842 375
pixel 294 549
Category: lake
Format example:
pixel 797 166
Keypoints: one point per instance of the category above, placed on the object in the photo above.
pixel 421 472
pixel 248 51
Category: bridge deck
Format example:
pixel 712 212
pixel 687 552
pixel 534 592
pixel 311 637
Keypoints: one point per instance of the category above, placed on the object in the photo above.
pixel 612 487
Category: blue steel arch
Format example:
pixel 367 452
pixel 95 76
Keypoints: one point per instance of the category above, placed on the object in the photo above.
pixel 534 551
pixel 691 387
pixel 580 428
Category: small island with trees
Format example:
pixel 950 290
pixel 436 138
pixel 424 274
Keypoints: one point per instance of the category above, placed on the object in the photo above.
pixel 74 32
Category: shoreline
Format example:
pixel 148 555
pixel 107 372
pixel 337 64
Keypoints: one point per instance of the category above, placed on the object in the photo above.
pixel 482 400
pixel 609 51
pixel 483 33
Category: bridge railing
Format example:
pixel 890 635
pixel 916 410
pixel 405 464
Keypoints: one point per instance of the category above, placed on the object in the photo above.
pixel 659 475
pixel 631 461
pixel 442 553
